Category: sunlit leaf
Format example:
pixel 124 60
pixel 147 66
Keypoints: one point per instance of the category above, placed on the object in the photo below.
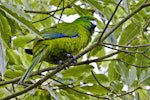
pixel 130 31
pixel 19 20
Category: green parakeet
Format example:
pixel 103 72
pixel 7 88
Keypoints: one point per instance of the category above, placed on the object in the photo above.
pixel 61 42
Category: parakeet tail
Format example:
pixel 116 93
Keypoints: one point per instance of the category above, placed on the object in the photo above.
pixel 35 61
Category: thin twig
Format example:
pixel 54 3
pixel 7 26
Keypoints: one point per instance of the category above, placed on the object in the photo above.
pixel 127 92
pixel 97 96
pixel 125 51
pixel 47 12
pixel 132 64
pixel 99 82
pixel 135 46
pixel 61 11
pixel 99 59
pixel 109 20
pixel 148 23
pixel 14 80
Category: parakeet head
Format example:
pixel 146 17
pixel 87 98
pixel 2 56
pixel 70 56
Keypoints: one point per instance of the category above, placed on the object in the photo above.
pixel 88 22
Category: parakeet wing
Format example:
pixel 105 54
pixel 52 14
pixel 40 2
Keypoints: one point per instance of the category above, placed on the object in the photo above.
pixel 60 31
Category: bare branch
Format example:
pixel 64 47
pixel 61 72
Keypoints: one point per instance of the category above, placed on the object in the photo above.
pixel 47 12
pixel 99 82
pixel 97 96
pixel 109 20
pixel 128 92
pixel 14 80
pixel 135 46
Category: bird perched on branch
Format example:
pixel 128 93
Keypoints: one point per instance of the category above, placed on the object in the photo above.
pixel 61 42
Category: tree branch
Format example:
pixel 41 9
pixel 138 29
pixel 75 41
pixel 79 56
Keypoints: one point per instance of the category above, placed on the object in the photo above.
pixel 99 82
pixel 128 92
pixel 97 96
pixel 123 46
pixel 47 12
pixel 14 80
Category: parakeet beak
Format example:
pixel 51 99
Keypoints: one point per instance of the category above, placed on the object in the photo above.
pixel 93 25
pixel 93 22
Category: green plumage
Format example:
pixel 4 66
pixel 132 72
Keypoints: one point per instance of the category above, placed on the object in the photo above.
pixel 62 38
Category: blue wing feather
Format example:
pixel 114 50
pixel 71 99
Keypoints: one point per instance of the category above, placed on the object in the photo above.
pixel 57 35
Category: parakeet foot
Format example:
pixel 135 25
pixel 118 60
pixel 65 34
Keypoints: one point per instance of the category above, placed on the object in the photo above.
pixel 60 62
pixel 71 57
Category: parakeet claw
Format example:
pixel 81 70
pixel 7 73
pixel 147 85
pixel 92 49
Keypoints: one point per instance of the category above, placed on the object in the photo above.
pixel 71 57
pixel 60 62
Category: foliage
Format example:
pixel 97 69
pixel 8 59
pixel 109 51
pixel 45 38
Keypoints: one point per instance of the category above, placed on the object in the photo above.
pixel 115 65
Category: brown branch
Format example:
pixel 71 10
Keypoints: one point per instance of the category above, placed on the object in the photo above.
pixel 14 80
pixel 97 96
pixel 47 12
pixel 99 59
pixel 132 64
pixel 50 15
pixel 125 51
pixel 61 11
pixel 123 46
pixel 128 92
pixel 99 82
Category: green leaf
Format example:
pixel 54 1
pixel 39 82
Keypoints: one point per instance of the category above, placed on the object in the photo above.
pixel 81 11
pixel 145 77
pixel 13 72
pixel 39 94
pixel 55 3
pixel 132 76
pixel 21 41
pixel 19 19
pixel 72 95
pixel 124 72
pixel 100 77
pixel 128 75
pixel 77 71
pixel 97 52
pixel 95 89
pixel 129 32
pixel 13 57
pixel 142 59
pixel 143 94
pixel 116 86
pixel 5 32
pixel 95 4
pixel 113 73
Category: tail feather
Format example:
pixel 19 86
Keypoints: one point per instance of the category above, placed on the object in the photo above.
pixel 35 61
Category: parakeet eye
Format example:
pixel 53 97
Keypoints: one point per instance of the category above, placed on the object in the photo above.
pixel 93 22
